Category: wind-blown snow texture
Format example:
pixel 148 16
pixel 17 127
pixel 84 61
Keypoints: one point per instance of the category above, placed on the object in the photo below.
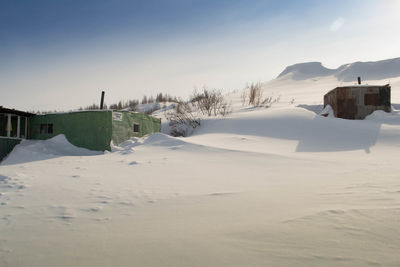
pixel 262 187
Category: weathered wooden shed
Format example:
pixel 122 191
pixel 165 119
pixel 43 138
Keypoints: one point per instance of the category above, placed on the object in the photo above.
pixel 358 101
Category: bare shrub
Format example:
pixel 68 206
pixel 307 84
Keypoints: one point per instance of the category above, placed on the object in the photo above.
pixel 225 109
pixel 243 97
pixel 91 107
pixel 182 119
pixel 269 101
pixel 255 94
pixel 186 116
pixel 210 102
pixel 133 104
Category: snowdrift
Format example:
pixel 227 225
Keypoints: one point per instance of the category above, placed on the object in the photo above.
pixel 34 150
pixel 303 129
pixel 303 71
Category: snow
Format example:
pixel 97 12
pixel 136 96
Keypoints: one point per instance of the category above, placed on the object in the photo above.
pixel 34 150
pixel 303 71
pixel 309 93
pixel 278 186
pixel 377 70
pixel 327 112
pixel 154 107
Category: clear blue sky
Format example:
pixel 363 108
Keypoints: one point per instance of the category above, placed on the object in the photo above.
pixel 61 54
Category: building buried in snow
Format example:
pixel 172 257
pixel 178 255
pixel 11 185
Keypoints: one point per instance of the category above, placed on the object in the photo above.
pixel 14 126
pixel 358 101
pixel 94 129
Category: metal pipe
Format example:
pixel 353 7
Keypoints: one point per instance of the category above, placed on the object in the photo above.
pixel 102 100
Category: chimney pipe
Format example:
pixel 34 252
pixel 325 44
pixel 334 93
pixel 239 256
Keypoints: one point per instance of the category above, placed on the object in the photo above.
pixel 359 80
pixel 102 100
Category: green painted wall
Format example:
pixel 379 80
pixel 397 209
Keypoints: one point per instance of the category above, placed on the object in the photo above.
pixel 88 129
pixel 7 145
pixel 123 126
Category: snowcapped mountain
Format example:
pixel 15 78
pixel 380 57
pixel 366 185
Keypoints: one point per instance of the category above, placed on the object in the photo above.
pixel 306 83
pixel 374 70
pixel 303 71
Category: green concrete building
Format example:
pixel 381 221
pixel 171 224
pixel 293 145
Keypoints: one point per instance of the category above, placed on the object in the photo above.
pixel 94 129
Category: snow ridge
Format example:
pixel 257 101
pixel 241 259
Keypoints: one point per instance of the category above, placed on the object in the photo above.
pixel 372 70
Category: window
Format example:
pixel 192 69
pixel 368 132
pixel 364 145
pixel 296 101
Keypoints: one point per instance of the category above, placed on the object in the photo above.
pixel 136 128
pixel 50 128
pixel 3 124
pixel 371 99
pixel 14 126
pixel 23 125
pixel 45 128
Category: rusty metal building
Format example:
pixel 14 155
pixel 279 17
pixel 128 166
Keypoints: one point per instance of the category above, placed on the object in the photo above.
pixel 358 101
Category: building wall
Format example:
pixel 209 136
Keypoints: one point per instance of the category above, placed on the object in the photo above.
pixel 371 99
pixel 357 102
pixel 88 129
pixel 14 125
pixel 123 125
pixel 7 145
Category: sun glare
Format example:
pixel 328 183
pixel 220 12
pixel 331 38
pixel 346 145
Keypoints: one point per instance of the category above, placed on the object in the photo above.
pixel 391 8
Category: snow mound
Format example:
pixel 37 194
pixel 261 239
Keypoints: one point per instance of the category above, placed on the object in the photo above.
pixel 392 118
pixel 373 70
pixel 303 71
pixel 369 70
pixel 264 131
pixel 33 150
pixel 155 139
pixel 327 112
pixel 160 139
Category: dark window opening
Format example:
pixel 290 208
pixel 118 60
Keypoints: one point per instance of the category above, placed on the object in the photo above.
pixel 23 127
pixel 3 124
pixel 14 126
pixel 136 128
pixel 50 128
pixel 45 128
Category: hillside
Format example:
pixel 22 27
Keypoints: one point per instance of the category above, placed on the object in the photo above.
pixel 376 70
pixel 307 83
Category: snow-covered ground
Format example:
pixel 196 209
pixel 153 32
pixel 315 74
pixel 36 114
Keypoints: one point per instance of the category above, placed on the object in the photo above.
pixel 262 187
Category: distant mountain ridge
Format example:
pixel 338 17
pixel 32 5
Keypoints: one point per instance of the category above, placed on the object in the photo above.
pixel 372 70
